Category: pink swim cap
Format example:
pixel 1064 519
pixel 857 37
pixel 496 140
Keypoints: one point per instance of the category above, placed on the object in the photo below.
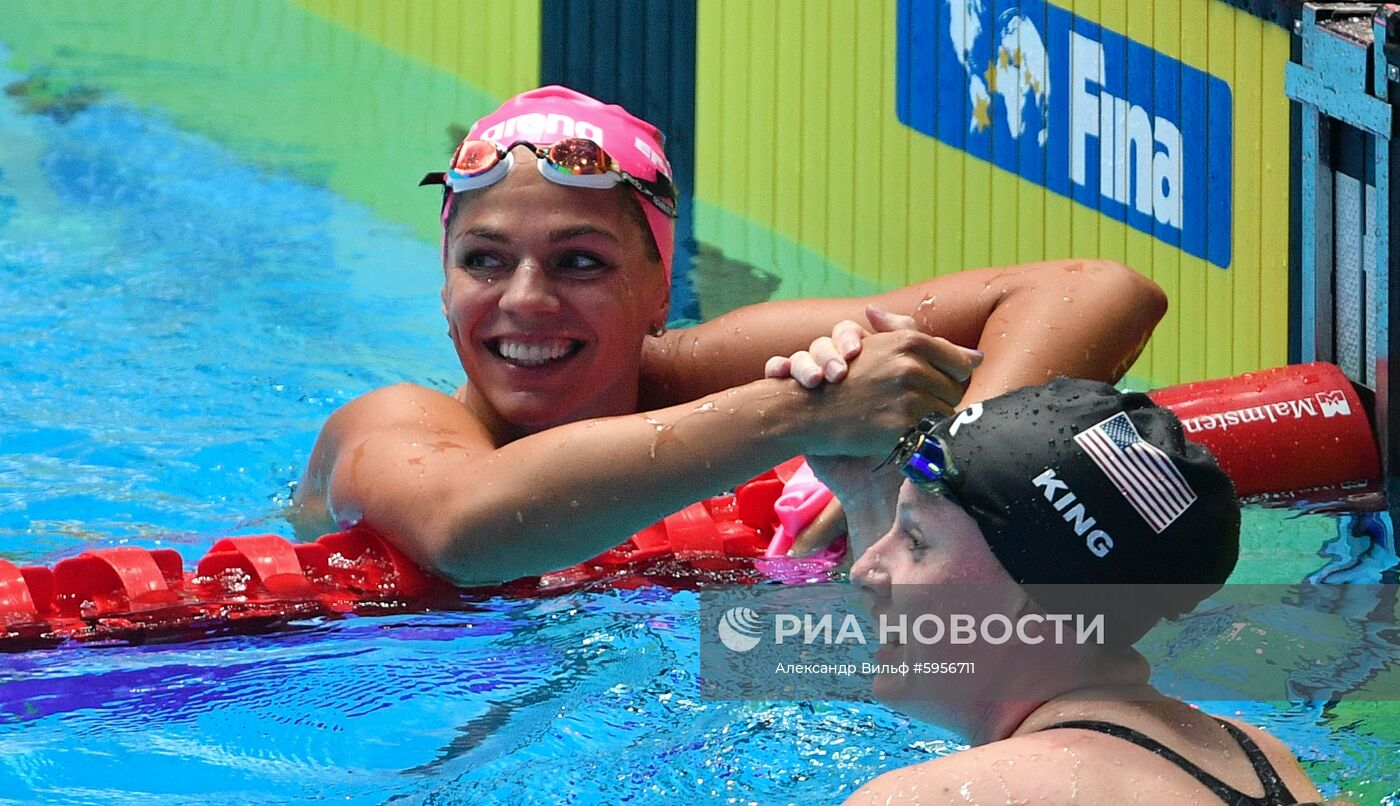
pixel 554 113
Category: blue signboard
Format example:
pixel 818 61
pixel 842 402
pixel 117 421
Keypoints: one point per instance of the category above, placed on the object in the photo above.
pixel 1086 112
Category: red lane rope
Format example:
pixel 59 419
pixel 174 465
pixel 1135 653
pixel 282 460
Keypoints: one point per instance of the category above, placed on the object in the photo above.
pixel 1286 434
pixel 129 593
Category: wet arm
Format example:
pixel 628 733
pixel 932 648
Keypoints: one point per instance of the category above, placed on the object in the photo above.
pixel 417 467
pixel 426 477
pixel 1081 318
pixel 1065 318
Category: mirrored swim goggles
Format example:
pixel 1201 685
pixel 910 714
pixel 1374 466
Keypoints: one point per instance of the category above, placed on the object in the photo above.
pixel 924 459
pixel 575 162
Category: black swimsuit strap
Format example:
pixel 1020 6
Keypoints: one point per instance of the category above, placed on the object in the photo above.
pixel 1275 794
pixel 1274 790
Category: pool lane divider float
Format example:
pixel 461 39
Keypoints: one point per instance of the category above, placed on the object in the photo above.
pixel 251 583
pixel 1292 434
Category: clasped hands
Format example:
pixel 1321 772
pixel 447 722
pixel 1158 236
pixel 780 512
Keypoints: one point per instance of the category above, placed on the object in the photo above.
pixel 927 374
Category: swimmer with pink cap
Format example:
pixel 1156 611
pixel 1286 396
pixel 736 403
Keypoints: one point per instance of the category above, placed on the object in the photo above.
pixel 583 419
pixel 594 145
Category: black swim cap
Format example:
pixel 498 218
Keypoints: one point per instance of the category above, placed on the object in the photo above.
pixel 1074 482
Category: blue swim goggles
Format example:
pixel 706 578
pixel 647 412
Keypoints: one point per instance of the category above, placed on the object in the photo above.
pixel 924 459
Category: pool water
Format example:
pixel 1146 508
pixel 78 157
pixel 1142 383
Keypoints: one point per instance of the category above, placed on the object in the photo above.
pixel 177 324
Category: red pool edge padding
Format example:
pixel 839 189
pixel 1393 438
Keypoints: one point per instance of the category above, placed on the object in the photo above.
pixel 1291 434
pixel 1295 433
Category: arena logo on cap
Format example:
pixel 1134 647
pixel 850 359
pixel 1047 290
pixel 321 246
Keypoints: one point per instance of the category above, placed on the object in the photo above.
pixel 651 155
pixel 1076 108
pixel 971 414
pixel 539 127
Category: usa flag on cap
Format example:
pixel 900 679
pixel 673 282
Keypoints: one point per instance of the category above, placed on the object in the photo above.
pixel 1141 472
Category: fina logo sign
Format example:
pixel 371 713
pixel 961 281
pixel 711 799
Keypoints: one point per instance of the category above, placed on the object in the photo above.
pixel 1078 109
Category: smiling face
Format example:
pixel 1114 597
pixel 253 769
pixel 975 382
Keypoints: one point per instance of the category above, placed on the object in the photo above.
pixel 549 292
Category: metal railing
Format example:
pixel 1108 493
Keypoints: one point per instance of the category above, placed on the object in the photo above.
pixel 1345 78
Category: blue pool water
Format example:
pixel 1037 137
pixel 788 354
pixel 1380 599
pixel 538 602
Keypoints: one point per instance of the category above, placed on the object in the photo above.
pixel 176 326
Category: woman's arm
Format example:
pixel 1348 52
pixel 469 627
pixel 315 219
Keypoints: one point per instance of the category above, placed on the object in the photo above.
pixel 1033 333
pixel 1085 319
pixel 418 468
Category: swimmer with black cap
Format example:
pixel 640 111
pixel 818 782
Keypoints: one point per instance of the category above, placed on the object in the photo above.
pixel 1042 490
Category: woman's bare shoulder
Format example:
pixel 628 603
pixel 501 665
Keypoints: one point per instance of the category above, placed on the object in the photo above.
pixel 1023 769
pixel 402 408
pixel 391 404
pixel 1284 762
pixel 1057 766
